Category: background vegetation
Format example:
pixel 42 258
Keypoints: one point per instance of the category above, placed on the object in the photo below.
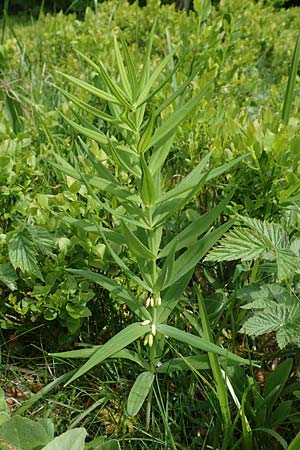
pixel 94 158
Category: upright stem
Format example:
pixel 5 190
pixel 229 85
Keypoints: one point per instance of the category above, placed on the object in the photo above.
pixel 216 371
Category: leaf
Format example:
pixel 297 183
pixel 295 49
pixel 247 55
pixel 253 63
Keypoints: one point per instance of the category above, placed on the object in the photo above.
pixel 148 191
pixel 120 292
pixel 191 257
pixel 8 276
pixel 135 245
pixel 86 107
pixel 116 91
pixel 166 274
pixel 295 444
pixel 139 392
pixel 203 9
pixel 115 344
pixel 261 323
pixel 147 82
pixel 198 342
pixel 90 88
pixel 259 239
pixel 97 136
pixel 146 136
pixel 71 440
pixel 290 89
pixel 199 226
pixel 171 296
pixel 176 198
pixel 199 362
pixel 42 239
pixel 86 353
pixel 122 72
pixel 170 125
pixel 113 236
pixel 276 382
pixel 22 254
pixel 130 66
pixel 24 433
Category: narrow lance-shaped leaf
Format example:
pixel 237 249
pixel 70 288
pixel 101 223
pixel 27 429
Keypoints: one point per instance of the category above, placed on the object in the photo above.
pixel 124 158
pixel 146 62
pixel 171 296
pixel 107 185
pixel 139 392
pixel 120 292
pixel 290 89
pixel 199 226
pixel 122 71
pixel 185 262
pixel 130 66
pixel 148 191
pixel 86 353
pixel 90 88
pixel 166 274
pixel 86 107
pixel 145 139
pixel 88 132
pixel 115 344
pixel 135 245
pixel 170 125
pixel 112 85
pixel 198 342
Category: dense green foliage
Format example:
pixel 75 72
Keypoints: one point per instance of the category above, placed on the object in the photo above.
pixel 122 165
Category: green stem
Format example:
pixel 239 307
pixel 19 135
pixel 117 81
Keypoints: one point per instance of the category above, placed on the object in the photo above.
pixel 148 408
pixel 216 371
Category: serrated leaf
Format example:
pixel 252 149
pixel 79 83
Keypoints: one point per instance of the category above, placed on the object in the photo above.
pixel 261 323
pixel 42 239
pixel 139 392
pixel 22 254
pixel 260 239
pixel 8 276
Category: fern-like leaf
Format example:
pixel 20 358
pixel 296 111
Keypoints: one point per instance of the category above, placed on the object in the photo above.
pixel 274 310
pixel 258 239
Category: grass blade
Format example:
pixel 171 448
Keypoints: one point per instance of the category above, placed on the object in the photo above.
pixel 289 94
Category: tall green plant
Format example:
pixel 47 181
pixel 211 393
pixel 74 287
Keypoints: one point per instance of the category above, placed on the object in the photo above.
pixel 290 89
pixel 137 143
